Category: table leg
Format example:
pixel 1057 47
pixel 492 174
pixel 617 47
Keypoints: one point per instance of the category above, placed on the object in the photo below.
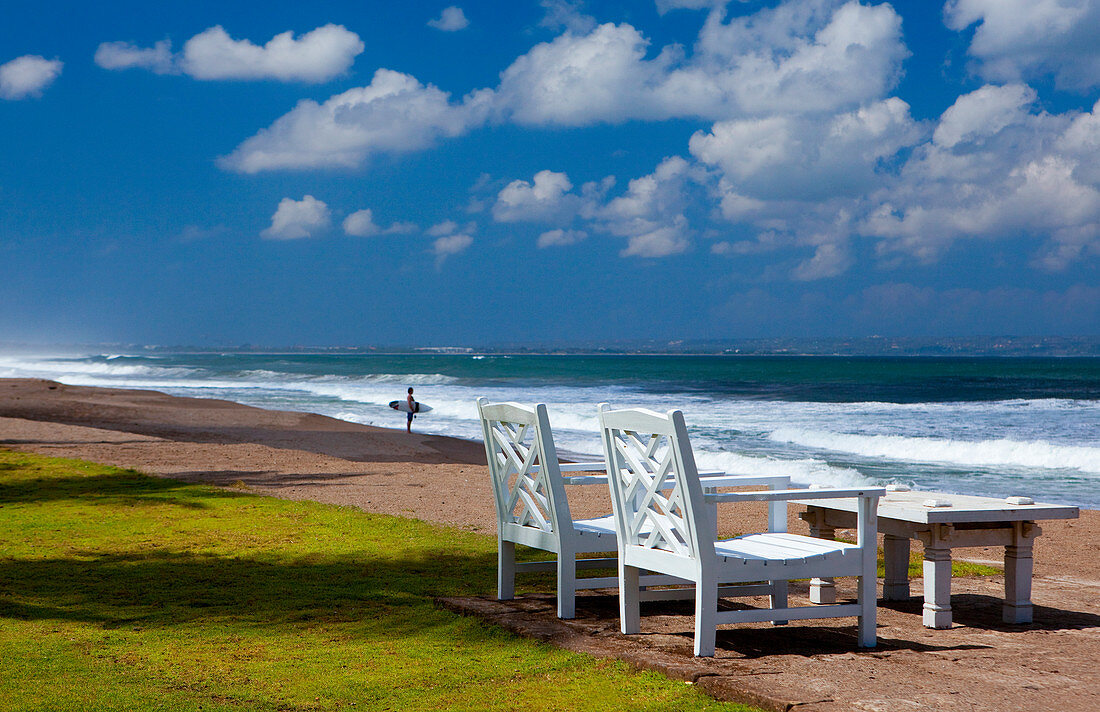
pixel 822 590
pixel 937 587
pixel 1018 569
pixel 895 557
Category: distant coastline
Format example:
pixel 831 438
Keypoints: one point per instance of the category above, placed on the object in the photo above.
pixel 869 346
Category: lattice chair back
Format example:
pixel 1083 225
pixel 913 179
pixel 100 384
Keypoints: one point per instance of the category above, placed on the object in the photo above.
pixel 655 489
pixel 523 464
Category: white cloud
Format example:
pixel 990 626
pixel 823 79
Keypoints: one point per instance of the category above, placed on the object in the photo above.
pixel 452 19
pixel 361 224
pixel 394 114
pixel 805 56
pixel 297 219
pixel 804 158
pixel 560 238
pixel 27 76
pixel 547 199
pixel 996 169
pixel 581 79
pixel 316 56
pixel 651 212
pixel 829 260
pixel 1017 39
pixel 451 245
pixel 981 113
pixel 817 55
pixel 798 57
pixel 566 15
pixel 124 55
pixel 664 6
pixel 444 228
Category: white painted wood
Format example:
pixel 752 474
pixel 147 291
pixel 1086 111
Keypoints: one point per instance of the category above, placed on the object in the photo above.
pixel 907 506
pixel 1019 564
pixel 531 505
pixel 895 558
pixel 969 521
pixel 533 510
pixel 937 587
pixel 664 524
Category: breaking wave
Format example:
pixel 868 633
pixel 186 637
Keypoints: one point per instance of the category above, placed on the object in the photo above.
pixel 982 453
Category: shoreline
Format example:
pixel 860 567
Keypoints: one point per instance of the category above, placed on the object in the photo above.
pixel 299 455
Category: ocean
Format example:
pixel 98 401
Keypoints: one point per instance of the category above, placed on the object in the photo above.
pixel 987 426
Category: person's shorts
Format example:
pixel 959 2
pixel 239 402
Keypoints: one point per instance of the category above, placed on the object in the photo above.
pixel 410 418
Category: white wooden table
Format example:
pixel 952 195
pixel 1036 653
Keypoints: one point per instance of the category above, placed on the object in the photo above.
pixel 956 521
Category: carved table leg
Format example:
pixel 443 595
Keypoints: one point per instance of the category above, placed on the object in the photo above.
pixel 1018 570
pixel 937 587
pixel 895 556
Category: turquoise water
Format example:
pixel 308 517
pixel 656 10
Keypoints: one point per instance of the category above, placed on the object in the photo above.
pixel 986 426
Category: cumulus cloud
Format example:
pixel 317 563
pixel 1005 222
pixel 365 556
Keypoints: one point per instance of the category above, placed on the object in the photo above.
pixel 804 158
pixel 124 55
pixel 546 199
pixel 566 15
pixel 451 244
pixel 996 168
pixel 27 76
pixel 444 228
pixel 297 219
pixel 560 238
pixel 316 56
pixel 651 212
pixel 361 224
pixel 982 113
pixel 452 19
pixel 820 56
pixel 664 6
pixel 1018 39
pixel 816 55
pixel 394 114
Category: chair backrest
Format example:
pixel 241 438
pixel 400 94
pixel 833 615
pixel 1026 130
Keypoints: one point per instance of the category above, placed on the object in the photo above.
pixel 523 464
pixel 644 450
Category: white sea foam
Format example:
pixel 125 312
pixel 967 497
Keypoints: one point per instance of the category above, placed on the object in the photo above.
pixel 986 453
pixel 804 471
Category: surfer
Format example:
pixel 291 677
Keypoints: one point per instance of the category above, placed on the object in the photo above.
pixel 412 411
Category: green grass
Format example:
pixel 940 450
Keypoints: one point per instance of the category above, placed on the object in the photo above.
pixel 120 591
pixel 959 569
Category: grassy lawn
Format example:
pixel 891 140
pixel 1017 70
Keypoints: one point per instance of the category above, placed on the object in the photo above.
pixel 120 591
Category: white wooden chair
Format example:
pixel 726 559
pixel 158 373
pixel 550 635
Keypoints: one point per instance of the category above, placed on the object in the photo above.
pixel 532 508
pixel 664 524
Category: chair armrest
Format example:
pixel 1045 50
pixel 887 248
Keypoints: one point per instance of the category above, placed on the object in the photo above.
pixel 776 482
pixel 576 467
pixel 583 466
pixel 585 480
pixel 778 495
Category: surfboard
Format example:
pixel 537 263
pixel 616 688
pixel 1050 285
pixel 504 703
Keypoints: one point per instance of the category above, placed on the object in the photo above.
pixel 403 406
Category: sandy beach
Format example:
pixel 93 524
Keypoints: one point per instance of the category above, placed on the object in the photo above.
pixel 979 664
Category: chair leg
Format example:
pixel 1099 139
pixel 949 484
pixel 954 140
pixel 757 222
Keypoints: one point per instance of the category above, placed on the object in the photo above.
pixel 567 584
pixel 779 598
pixel 506 570
pixel 868 609
pixel 706 614
pixel 629 599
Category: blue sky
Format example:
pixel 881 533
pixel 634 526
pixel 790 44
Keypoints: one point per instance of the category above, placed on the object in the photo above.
pixel 423 173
